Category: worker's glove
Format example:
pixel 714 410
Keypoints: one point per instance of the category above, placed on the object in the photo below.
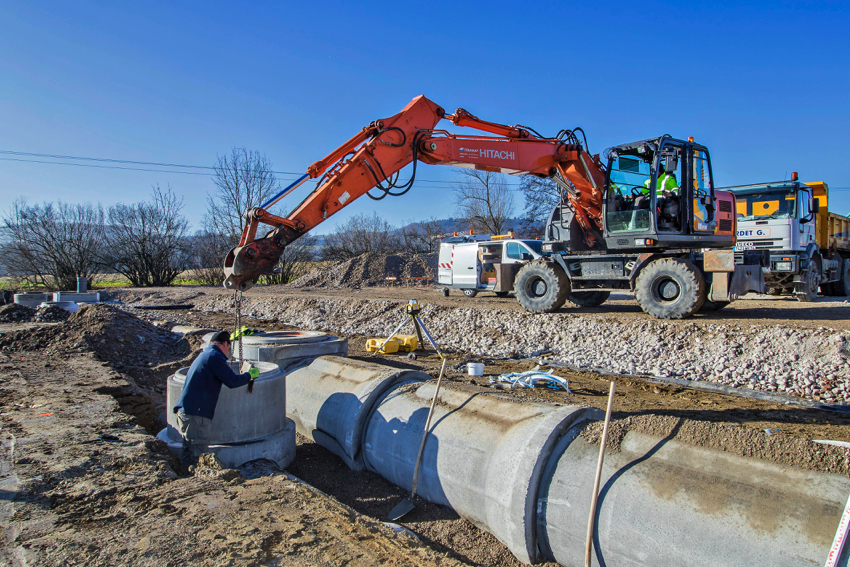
pixel 254 373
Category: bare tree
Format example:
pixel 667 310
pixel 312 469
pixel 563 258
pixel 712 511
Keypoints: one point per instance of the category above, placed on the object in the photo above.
pixel 541 197
pixel 484 200
pixel 146 242
pixel 53 245
pixel 208 251
pixel 243 180
pixel 422 236
pixel 361 234
pixel 294 260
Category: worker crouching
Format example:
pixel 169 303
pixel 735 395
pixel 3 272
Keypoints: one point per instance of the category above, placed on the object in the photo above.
pixel 196 407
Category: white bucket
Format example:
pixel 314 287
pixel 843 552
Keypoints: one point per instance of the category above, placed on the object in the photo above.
pixel 475 368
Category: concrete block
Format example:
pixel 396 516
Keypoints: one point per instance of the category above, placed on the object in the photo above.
pixel 278 448
pixel 91 297
pixel 330 401
pixel 484 456
pixel 240 417
pixel 662 502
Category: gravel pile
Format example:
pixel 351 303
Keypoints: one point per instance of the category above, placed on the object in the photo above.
pixel 14 313
pixel 370 270
pixel 809 363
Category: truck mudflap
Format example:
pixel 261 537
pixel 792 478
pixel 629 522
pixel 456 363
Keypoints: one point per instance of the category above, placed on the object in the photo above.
pixel 729 280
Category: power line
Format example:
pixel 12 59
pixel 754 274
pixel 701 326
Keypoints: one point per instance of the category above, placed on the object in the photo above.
pixel 153 163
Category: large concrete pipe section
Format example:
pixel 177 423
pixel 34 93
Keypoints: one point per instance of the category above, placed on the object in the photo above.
pixel 290 349
pixel 663 502
pixel 484 456
pixel 330 401
pixel 246 426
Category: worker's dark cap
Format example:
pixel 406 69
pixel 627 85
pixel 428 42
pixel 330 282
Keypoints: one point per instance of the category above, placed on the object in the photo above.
pixel 221 337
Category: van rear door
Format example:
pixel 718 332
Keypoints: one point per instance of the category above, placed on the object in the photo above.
pixel 464 266
pixel 444 264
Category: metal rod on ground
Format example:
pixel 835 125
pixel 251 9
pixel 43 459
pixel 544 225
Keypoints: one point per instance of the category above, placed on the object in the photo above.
pixel 592 519
pixel 406 505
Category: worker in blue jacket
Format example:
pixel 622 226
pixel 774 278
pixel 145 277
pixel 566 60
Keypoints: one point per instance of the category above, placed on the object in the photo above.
pixel 196 406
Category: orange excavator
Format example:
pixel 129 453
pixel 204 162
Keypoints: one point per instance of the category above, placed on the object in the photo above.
pixel 639 223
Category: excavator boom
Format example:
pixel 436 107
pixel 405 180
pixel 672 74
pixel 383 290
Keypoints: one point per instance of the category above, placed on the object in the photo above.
pixel 372 158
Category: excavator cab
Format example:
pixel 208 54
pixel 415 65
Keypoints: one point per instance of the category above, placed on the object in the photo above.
pixel 658 193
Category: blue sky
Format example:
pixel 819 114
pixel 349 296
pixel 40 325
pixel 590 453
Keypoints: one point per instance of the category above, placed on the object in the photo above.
pixel 764 85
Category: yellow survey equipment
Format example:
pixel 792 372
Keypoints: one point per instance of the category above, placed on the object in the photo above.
pixel 390 346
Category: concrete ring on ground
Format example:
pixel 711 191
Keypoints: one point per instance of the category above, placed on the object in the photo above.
pixel 32 299
pixel 240 417
pixel 278 448
pixel 290 349
pixel 663 502
pixel 484 456
pixel 285 337
pixel 330 401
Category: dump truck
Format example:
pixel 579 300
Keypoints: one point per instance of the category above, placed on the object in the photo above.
pixel 488 265
pixel 806 247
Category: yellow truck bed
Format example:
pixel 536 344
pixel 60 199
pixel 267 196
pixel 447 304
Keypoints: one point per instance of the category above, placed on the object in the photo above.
pixel 833 230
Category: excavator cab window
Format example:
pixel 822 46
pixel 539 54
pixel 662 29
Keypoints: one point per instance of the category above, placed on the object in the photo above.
pixel 702 191
pixel 627 202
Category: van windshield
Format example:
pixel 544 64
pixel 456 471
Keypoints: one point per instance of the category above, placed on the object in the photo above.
pixel 535 245
pixel 765 204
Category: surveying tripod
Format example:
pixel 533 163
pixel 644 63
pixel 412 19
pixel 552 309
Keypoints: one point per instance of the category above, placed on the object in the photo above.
pixel 412 310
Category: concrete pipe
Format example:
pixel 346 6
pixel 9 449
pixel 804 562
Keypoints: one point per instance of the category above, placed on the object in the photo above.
pixel 663 502
pixel 330 401
pixel 240 417
pixel 278 448
pixel 290 349
pixel 484 456
pixel 32 299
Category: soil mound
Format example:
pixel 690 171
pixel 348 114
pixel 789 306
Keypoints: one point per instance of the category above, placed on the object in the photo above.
pixel 14 313
pixel 114 335
pixel 369 270
pixel 51 314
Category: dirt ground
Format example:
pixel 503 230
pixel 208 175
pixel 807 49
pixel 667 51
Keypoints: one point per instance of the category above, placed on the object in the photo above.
pixel 86 483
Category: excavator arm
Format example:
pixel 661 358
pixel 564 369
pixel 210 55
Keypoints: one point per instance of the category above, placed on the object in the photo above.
pixel 373 158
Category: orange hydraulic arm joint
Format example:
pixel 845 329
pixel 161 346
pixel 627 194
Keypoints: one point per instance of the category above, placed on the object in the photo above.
pixel 366 160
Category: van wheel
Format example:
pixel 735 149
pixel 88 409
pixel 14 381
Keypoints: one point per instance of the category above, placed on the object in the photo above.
pixel 670 288
pixel 588 298
pixel 541 287
pixel 470 292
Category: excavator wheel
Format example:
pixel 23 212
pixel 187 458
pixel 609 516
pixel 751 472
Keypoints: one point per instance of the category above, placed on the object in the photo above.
pixel 670 288
pixel 588 298
pixel 541 287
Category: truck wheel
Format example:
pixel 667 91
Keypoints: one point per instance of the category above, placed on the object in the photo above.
pixel 808 291
pixel 842 286
pixel 670 288
pixel 588 298
pixel 502 293
pixel 470 292
pixel 541 287
pixel 713 305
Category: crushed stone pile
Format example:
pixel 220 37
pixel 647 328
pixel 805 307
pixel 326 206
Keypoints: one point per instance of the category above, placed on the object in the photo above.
pixel 51 314
pixel 114 335
pixel 14 313
pixel 809 363
pixel 369 270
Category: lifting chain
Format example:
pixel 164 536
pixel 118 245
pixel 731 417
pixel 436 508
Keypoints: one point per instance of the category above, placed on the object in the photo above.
pixel 237 301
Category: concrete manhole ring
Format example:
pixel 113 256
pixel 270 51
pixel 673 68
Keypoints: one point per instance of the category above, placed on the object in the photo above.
pixel 286 338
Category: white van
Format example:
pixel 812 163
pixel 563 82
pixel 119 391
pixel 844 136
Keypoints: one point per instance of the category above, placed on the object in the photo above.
pixel 484 266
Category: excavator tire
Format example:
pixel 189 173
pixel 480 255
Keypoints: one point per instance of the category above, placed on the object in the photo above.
pixel 670 288
pixel 541 287
pixel 588 298
pixel 808 291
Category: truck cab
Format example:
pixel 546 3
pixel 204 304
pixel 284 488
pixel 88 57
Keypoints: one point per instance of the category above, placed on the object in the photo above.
pixel 489 265
pixel 790 222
